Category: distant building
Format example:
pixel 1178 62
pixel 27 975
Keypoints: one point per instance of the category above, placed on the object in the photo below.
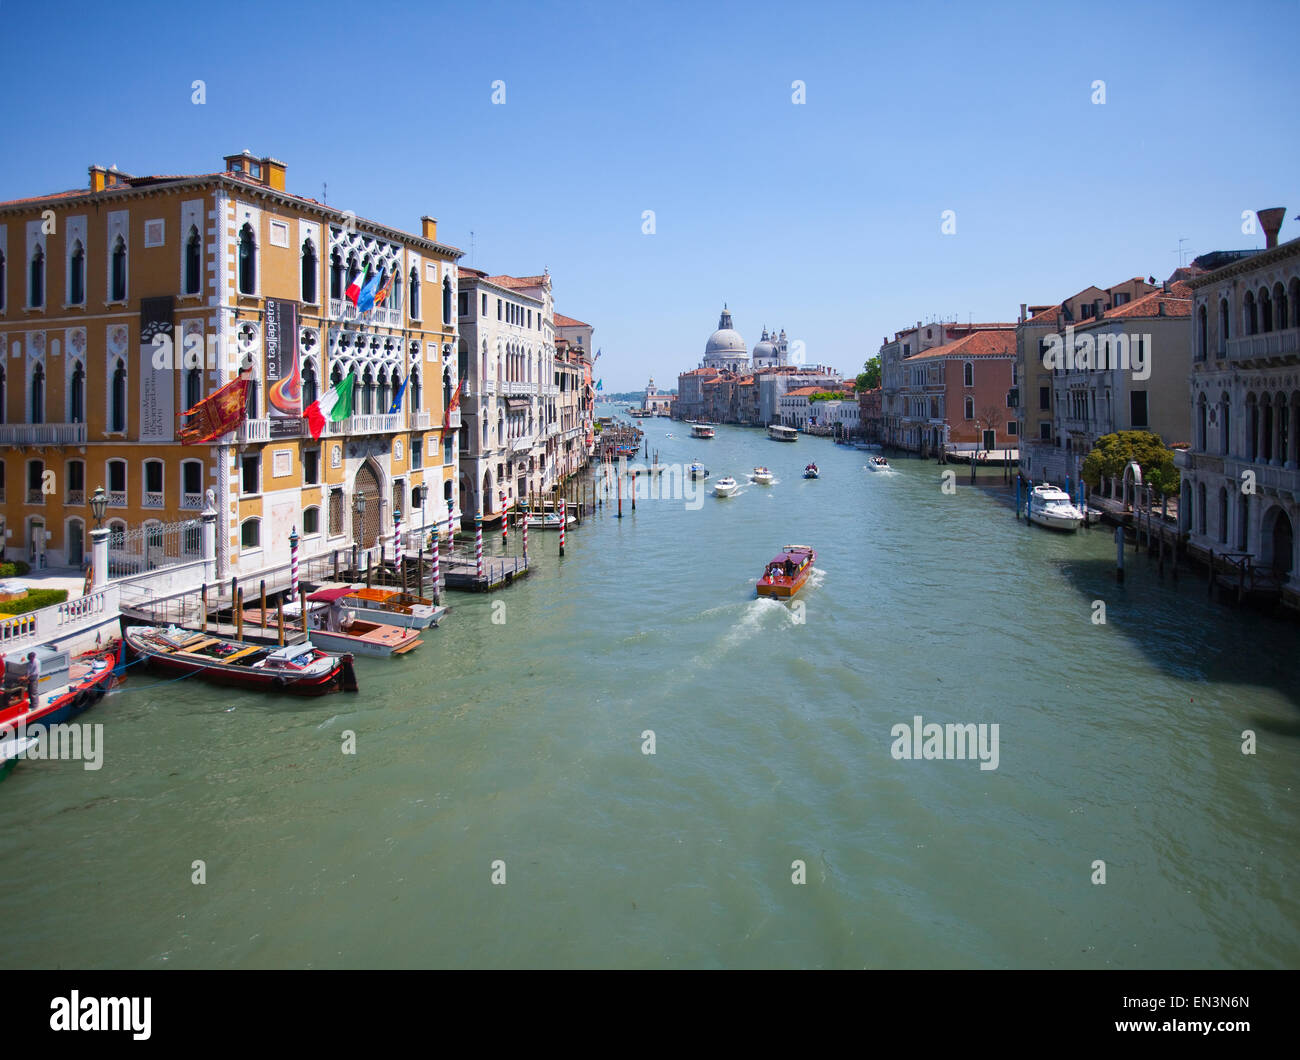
pixel 958 395
pixel 871 414
pixel 725 349
pixel 654 401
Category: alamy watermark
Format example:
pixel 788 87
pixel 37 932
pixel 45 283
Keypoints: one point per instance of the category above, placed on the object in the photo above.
pixel 78 743
pixel 1106 352
pixel 950 742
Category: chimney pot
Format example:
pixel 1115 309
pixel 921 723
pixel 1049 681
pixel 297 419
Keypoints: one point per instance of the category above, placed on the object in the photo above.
pixel 1271 221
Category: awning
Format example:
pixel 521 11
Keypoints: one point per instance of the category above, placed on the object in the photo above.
pixel 518 402
pixel 328 596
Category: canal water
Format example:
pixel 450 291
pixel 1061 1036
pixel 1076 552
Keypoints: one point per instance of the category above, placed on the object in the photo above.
pixel 512 745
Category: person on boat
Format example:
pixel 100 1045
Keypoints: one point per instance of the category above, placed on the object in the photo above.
pixel 789 569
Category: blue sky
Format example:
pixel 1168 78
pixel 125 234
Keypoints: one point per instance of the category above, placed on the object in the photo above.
pixel 822 218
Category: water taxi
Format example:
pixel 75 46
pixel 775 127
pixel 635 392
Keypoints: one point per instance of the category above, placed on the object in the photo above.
pixel 811 471
pixel 336 628
pixel 762 476
pixel 782 434
pixel 787 572
pixel 396 608
pixel 1051 506
pixel 878 463
pixel 548 520
pixel 701 430
pixel 725 487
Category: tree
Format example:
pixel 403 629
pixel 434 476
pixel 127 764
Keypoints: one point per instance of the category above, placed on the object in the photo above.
pixel 869 379
pixel 1112 453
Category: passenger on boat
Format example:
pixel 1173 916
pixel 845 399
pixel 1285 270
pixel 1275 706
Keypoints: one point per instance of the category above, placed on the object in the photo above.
pixel 789 569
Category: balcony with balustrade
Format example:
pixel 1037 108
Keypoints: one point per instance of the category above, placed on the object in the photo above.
pixel 421 420
pixel 369 423
pixel 42 434
pixel 1268 348
pixel 253 431
pixel 386 316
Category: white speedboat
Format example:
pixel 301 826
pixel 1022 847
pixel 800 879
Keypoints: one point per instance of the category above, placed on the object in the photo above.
pixel 762 476
pixel 1051 506
pixel 878 463
pixel 698 470
pixel 725 487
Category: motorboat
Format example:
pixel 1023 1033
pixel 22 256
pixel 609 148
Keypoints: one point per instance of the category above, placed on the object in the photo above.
pixel 787 572
pixel 396 608
pixel 701 430
pixel 300 669
pixel 762 476
pixel 878 463
pixel 336 628
pixel 811 471
pixel 548 520
pixel 698 470
pixel 1051 506
pixel 725 487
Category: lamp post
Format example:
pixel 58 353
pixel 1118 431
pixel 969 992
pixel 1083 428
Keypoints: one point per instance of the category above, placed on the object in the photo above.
pixel 98 505
pixel 98 540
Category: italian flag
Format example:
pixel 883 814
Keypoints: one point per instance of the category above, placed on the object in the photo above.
pixel 335 405
pixel 354 288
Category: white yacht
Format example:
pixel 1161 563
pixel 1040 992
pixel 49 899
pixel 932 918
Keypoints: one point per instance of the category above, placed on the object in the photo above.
pixel 725 487
pixel 1051 506
pixel 762 476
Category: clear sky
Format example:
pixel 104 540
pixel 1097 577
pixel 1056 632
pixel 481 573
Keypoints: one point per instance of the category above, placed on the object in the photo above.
pixel 823 218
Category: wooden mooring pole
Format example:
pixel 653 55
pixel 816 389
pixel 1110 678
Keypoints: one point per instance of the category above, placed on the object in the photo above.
pixel 279 621
pixel 203 618
pixel 263 604
pixel 238 601
pixel 1119 554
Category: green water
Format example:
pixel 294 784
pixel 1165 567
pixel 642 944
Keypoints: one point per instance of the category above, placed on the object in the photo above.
pixel 520 741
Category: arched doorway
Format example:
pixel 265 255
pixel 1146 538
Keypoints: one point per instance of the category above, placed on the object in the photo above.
pixel 365 529
pixel 1278 538
pixel 486 500
pixel 76 543
pixel 36 543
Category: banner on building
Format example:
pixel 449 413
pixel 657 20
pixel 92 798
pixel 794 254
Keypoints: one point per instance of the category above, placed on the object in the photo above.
pixel 217 414
pixel 283 372
pixel 157 374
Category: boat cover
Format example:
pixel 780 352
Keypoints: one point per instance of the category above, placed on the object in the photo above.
pixel 328 596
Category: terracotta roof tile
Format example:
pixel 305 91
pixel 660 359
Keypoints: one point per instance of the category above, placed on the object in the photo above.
pixel 978 344
pixel 561 321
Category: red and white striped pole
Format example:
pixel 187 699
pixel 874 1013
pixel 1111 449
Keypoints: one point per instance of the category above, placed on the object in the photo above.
pixel 397 541
pixel 293 564
pixel 525 537
pixel 564 518
pixel 478 545
pixel 436 592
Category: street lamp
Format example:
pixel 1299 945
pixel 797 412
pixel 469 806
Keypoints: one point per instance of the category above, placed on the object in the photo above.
pixel 98 505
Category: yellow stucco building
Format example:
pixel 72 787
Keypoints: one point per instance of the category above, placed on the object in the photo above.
pixel 124 303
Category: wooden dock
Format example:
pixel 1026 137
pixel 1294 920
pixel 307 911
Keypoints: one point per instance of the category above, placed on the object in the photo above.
pixel 461 572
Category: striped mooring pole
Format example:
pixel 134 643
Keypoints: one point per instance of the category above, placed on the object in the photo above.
pixel 525 537
pixel 293 564
pixel 436 592
pixel 564 518
pixel 478 545
pixel 397 541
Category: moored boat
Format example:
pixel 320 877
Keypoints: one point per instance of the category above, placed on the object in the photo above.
pixel 548 520
pixel 811 471
pixel 762 476
pixel 725 487
pixel 1051 506
pixel 65 687
pixel 396 608
pixel 336 628
pixel 299 669
pixel 787 572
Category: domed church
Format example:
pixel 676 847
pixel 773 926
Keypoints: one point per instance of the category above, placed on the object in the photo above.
pixel 725 349
pixel 772 350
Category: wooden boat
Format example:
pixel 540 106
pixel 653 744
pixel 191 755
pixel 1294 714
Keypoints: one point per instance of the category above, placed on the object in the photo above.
pixel 338 629
pixel 300 669
pixel 787 572
pixel 811 471
pixel 396 608
pixel 65 687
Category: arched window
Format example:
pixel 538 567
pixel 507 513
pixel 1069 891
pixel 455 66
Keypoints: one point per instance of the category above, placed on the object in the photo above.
pixel 1225 433
pixel 311 520
pixel 1202 415
pixel 381 403
pixel 1200 508
pixel 35 480
pixel 1223 515
pixel 193 387
pixel 251 399
pixel 117 399
pixel 76 484
pixel 395 295
pixel 1202 333
pixel 446 388
pixel 153 483
pixel 77 275
pixel 117 483
pixel 1250 317
pixel 250 533
pixel 1281 311
pixel 415 294
pixel 309 385
pixel 446 299
pixel 117 272
pixel 368 392
pixel 308 272
pixel 193 262
pixel 336 374
pixel 38 395
pixel 36 280
pixel 968 375
pixel 1243 520
pixel 414 386
pixel 970 408
pixel 2 296
pixel 336 275
pixel 77 395
pixel 1265 310
pixel 1224 328
pixel 247 260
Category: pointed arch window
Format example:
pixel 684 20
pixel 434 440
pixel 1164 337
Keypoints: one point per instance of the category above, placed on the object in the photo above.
pixel 117 272
pixel 395 296
pixel 308 272
pixel 77 275
pixel 193 387
pixel 38 395
pixel 336 275
pixel 415 294
pixel 117 398
pixel 2 292
pixel 368 392
pixel 381 402
pixel 36 280
pixel 446 299
pixel 247 260
pixel 77 395
pixel 193 262
pixel 310 389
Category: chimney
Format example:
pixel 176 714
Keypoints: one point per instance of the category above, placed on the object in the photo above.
pixel 273 173
pixel 1160 309
pixel 1271 221
pixel 1023 307
pixel 98 178
pixel 429 228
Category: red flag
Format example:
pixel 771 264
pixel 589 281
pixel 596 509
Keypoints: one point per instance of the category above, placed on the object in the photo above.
pixel 452 405
pixel 216 414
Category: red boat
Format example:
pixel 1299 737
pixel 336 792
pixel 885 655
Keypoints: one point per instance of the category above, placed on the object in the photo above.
pixel 300 669
pixel 786 574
